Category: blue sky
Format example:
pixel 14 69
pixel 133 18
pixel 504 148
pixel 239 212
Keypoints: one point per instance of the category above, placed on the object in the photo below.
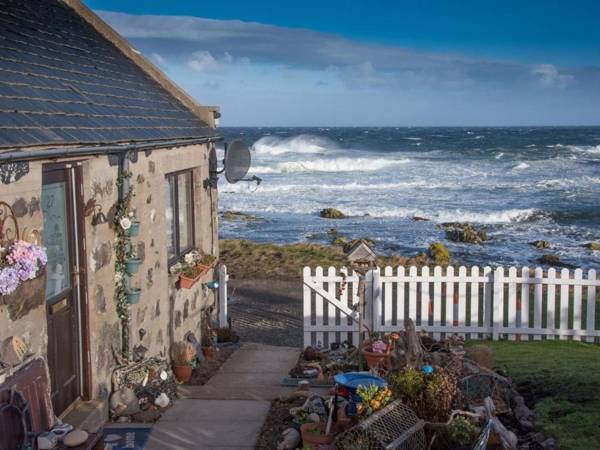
pixel 376 63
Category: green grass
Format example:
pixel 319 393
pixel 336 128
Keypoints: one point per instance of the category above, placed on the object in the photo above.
pixel 562 379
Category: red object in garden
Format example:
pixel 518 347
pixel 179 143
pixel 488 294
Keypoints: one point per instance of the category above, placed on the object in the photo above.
pixel 208 352
pixel 376 360
pixel 313 440
pixel 183 373
pixel 187 283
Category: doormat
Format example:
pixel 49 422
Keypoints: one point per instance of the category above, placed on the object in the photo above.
pixel 119 438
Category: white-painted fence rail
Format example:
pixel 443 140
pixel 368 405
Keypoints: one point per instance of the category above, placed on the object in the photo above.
pixel 513 304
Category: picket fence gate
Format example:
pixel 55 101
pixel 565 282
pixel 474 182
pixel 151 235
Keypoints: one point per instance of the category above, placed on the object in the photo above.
pixel 513 304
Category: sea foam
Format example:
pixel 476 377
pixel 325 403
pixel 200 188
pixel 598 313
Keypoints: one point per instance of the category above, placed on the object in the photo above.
pixel 331 165
pixel 303 143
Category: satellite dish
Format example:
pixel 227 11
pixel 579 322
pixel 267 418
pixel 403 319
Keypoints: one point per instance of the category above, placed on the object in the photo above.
pixel 237 161
pixel 236 164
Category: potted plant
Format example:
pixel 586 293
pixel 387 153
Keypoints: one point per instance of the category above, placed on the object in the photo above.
pixel 130 225
pixel 376 353
pixel 183 355
pixel 207 346
pixel 132 262
pixel 133 295
pixel 313 435
pixel 193 266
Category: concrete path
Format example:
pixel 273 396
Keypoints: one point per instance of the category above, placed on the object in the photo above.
pixel 227 412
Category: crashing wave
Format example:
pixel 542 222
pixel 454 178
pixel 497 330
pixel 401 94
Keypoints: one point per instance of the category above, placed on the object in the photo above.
pixel 331 165
pixel 303 143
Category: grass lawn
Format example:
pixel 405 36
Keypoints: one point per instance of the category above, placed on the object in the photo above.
pixel 562 380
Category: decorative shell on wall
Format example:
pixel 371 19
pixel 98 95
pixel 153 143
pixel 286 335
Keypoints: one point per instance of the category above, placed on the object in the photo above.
pixel 13 351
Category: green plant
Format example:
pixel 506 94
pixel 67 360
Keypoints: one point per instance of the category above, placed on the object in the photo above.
pixel 372 398
pixel 461 432
pixel 431 396
pixel 123 249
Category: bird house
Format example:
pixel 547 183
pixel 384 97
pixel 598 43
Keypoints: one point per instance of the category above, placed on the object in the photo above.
pixel 361 255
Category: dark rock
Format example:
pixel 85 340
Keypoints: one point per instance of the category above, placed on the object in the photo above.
pixel 236 215
pixel 331 213
pixel 540 244
pixel 420 219
pixel 549 444
pixel 464 232
pixel 522 412
pixel 20 208
pixel 594 246
pixel 550 259
pixel 340 240
pixel 526 425
pixel 518 401
pixel 439 253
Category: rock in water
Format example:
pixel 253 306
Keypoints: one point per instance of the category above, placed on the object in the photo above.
pixel 540 244
pixel 464 232
pixel 331 213
pixel 550 259
pixel 594 246
pixel 439 254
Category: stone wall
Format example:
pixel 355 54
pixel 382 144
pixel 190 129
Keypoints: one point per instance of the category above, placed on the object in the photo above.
pixel 22 191
pixel 164 312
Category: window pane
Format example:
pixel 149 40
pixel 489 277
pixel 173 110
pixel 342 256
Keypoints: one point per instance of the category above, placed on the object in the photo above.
pixel 54 208
pixel 170 213
pixel 185 210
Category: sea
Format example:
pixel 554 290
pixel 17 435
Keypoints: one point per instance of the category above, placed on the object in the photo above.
pixel 522 184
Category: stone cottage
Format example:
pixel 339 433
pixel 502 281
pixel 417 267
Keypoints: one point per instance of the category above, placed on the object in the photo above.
pixel 88 126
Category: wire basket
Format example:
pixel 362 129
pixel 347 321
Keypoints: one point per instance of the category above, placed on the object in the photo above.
pixel 395 427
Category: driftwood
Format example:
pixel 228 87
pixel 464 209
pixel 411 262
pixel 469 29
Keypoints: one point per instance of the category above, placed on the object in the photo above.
pixel 507 438
pixel 414 349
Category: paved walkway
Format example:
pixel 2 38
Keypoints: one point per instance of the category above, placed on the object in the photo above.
pixel 227 412
pixel 267 311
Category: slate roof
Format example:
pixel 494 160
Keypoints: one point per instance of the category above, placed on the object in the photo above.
pixel 63 82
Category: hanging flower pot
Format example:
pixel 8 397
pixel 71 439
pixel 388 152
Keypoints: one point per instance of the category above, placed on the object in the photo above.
pixel 133 295
pixel 134 229
pixel 132 265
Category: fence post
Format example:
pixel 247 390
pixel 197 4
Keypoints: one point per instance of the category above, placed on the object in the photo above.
pixel 222 295
pixel 498 303
pixel 373 300
pixel 306 276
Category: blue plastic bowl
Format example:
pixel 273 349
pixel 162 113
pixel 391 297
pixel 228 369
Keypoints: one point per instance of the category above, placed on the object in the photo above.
pixel 352 380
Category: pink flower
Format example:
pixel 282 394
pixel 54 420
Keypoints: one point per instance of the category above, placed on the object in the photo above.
pixel 379 346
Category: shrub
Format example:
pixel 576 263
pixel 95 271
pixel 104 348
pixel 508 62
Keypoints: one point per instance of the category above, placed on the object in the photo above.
pixel 183 353
pixel 461 432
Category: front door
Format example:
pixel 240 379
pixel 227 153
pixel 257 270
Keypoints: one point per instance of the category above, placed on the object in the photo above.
pixel 60 207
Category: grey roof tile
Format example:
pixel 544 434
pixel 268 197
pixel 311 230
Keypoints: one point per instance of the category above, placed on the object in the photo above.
pixel 62 82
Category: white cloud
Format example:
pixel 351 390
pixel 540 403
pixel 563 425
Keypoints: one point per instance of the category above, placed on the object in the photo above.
pixel 204 61
pixel 157 58
pixel 549 76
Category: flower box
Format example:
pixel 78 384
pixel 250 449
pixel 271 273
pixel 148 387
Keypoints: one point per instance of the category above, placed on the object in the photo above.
pixel 186 282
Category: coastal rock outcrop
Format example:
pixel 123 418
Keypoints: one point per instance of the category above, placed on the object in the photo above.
pixel 237 215
pixel 464 232
pixel 594 246
pixel 550 259
pixel 331 213
pixel 439 254
pixel 540 244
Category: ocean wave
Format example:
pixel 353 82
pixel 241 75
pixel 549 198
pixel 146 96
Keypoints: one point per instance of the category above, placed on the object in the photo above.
pixel 413 138
pixel 521 166
pixel 499 155
pixel 303 143
pixel 359 187
pixel 331 165
pixel 590 149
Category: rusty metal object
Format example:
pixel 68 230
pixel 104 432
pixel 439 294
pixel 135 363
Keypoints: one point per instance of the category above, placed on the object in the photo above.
pixel 9 228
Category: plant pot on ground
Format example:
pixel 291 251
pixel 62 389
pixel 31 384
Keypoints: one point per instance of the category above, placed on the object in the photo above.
pixel 183 355
pixel 207 347
pixel 313 435
pixel 376 354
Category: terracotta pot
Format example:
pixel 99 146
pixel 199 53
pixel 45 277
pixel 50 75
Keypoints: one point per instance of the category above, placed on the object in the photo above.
pixel 312 440
pixel 375 360
pixel 183 373
pixel 187 282
pixel 208 352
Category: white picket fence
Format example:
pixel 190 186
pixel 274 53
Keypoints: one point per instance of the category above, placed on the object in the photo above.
pixel 514 304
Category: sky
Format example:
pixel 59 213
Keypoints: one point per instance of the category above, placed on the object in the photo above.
pixel 376 63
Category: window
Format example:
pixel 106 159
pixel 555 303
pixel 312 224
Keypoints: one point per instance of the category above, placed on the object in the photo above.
pixel 179 200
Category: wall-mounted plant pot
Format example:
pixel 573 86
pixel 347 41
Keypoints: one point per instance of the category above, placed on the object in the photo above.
pixel 132 265
pixel 134 229
pixel 187 282
pixel 133 296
